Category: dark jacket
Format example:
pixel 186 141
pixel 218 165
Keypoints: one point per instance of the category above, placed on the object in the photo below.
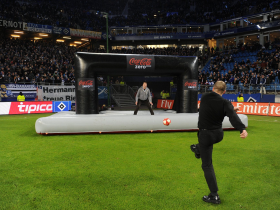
pixel 254 81
pixel 263 81
pixel 213 109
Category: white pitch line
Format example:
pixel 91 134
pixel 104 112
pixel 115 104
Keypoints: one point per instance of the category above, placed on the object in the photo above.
pixel 15 119
pixel 265 120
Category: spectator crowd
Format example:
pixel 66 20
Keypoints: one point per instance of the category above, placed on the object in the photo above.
pixel 87 14
pixel 45 62
pixel 263 71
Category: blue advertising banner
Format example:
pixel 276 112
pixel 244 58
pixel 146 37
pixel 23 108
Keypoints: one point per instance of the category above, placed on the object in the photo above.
pixel 206 35
pixel 245 29
pixel 38 28
pixel 20 87
pixel 161 37
pixel 268 98
pixel 59 106
pixel 13 94
pixel 223 33
pixel 102 92
pixel 61 30
pixel 247 97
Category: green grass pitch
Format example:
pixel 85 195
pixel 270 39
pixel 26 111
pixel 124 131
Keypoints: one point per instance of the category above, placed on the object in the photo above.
pixel 135 171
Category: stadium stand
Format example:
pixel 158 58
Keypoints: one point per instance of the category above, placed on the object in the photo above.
pixel 49 62
pixel 87 15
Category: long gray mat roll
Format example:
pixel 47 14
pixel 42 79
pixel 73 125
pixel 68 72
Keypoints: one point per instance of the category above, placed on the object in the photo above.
pixel 121 122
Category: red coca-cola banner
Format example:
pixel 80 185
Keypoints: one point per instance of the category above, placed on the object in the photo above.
pixel 140 63
pixel 31 107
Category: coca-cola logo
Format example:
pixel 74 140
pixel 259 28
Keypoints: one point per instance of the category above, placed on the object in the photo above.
pixel 190 84
pixel 137 62
pixel 86 83
pixel 141 62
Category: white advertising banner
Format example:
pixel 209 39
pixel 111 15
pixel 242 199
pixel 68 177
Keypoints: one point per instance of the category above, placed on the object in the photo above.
pixel 5 108
pixel 56 93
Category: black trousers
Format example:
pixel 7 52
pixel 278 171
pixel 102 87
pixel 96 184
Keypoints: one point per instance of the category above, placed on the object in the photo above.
pixel 147 103
pixel 207 138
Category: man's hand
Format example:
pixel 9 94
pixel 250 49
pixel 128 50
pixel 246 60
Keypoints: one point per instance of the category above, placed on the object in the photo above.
pixel 244 134
pixel 151 103
pixel 136 103
pixel 236 109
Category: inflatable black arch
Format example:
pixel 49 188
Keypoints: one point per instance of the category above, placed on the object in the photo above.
pixel 89 65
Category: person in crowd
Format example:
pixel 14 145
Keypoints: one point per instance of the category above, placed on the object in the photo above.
pixel 240 98
pixel 253 82
pixel 20 97
pixel 262 83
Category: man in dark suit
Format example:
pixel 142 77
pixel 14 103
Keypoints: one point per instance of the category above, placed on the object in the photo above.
pixel 213 109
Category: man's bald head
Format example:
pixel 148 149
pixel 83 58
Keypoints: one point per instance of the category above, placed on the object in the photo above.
pixel 220 87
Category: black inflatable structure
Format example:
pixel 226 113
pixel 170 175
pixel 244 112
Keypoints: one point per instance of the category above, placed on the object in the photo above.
pixel 89 65
pixel 86 120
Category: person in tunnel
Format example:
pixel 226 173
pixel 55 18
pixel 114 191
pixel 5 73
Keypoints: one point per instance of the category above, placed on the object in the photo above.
pixel 143 96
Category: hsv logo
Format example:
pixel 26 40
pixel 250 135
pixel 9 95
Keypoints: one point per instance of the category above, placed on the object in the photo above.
pixel 86 83
pixel 250 99
pixel 190 85
pixel 61 106
pixel 30 107
pixel 139 62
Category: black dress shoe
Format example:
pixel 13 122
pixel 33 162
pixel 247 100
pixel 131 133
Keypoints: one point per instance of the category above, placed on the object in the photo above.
pixel 212 199
pixel 195 150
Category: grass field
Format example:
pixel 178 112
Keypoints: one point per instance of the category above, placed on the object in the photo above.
pixel 135 171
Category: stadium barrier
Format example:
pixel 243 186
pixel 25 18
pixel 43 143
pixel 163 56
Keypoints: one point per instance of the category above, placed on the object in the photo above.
pixel 32 107
pixel 265 109
pixel 28 107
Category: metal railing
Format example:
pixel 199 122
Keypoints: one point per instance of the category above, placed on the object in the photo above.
pixel 131 92
pixel 241 88
pixel 113 90
pixel 120 89
pixel 122 94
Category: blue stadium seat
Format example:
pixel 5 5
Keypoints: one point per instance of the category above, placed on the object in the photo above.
pixel 272 87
